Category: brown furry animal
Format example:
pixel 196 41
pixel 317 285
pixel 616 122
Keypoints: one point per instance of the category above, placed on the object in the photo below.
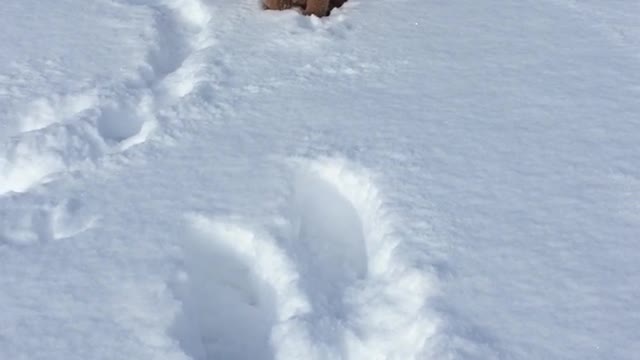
pixel 311 7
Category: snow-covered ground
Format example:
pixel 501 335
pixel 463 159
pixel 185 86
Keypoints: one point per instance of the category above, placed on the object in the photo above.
pixel 405 179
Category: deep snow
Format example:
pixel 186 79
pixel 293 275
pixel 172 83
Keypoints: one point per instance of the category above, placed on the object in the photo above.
pixel 405 179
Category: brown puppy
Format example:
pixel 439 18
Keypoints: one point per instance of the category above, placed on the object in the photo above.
pixel 311 7
pixel 277 4
pixel 317 7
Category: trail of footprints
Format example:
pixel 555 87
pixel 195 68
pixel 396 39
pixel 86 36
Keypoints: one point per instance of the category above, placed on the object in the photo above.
pixel 325 283
pixel 71 131
pixel 67 131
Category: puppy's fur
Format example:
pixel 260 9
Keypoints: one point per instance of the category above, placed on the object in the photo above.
pixel 311 7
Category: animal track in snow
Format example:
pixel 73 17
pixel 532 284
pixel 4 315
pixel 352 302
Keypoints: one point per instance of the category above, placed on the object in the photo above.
pixel 69 218
pixel 181 32
pixel 24 225
pixel 236 289
pixel 122 125
pixel 368 301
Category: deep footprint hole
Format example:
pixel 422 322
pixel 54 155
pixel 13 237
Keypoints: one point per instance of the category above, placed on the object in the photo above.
pixel 118 124
pixel 228 310
pixel 328 241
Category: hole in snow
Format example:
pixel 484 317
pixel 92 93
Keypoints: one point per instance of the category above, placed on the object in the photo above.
pixel 228 309
pixel 118 124
pixel 328 242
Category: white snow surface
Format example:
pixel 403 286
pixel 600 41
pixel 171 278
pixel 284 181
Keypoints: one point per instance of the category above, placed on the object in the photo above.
pixel 405 179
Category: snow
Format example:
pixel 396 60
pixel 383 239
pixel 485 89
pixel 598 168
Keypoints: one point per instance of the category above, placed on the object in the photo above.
pixel 201 179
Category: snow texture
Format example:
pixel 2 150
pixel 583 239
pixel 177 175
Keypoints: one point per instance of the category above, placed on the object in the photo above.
pixel 405 179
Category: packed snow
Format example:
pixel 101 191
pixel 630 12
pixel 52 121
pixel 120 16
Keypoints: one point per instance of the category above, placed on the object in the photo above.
pixel 404 179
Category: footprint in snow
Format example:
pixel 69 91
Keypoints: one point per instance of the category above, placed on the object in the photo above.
pixel 35 223
pixel 228 308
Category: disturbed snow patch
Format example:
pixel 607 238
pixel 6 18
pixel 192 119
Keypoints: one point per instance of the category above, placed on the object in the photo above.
pixel 45 112
pixel 33 223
